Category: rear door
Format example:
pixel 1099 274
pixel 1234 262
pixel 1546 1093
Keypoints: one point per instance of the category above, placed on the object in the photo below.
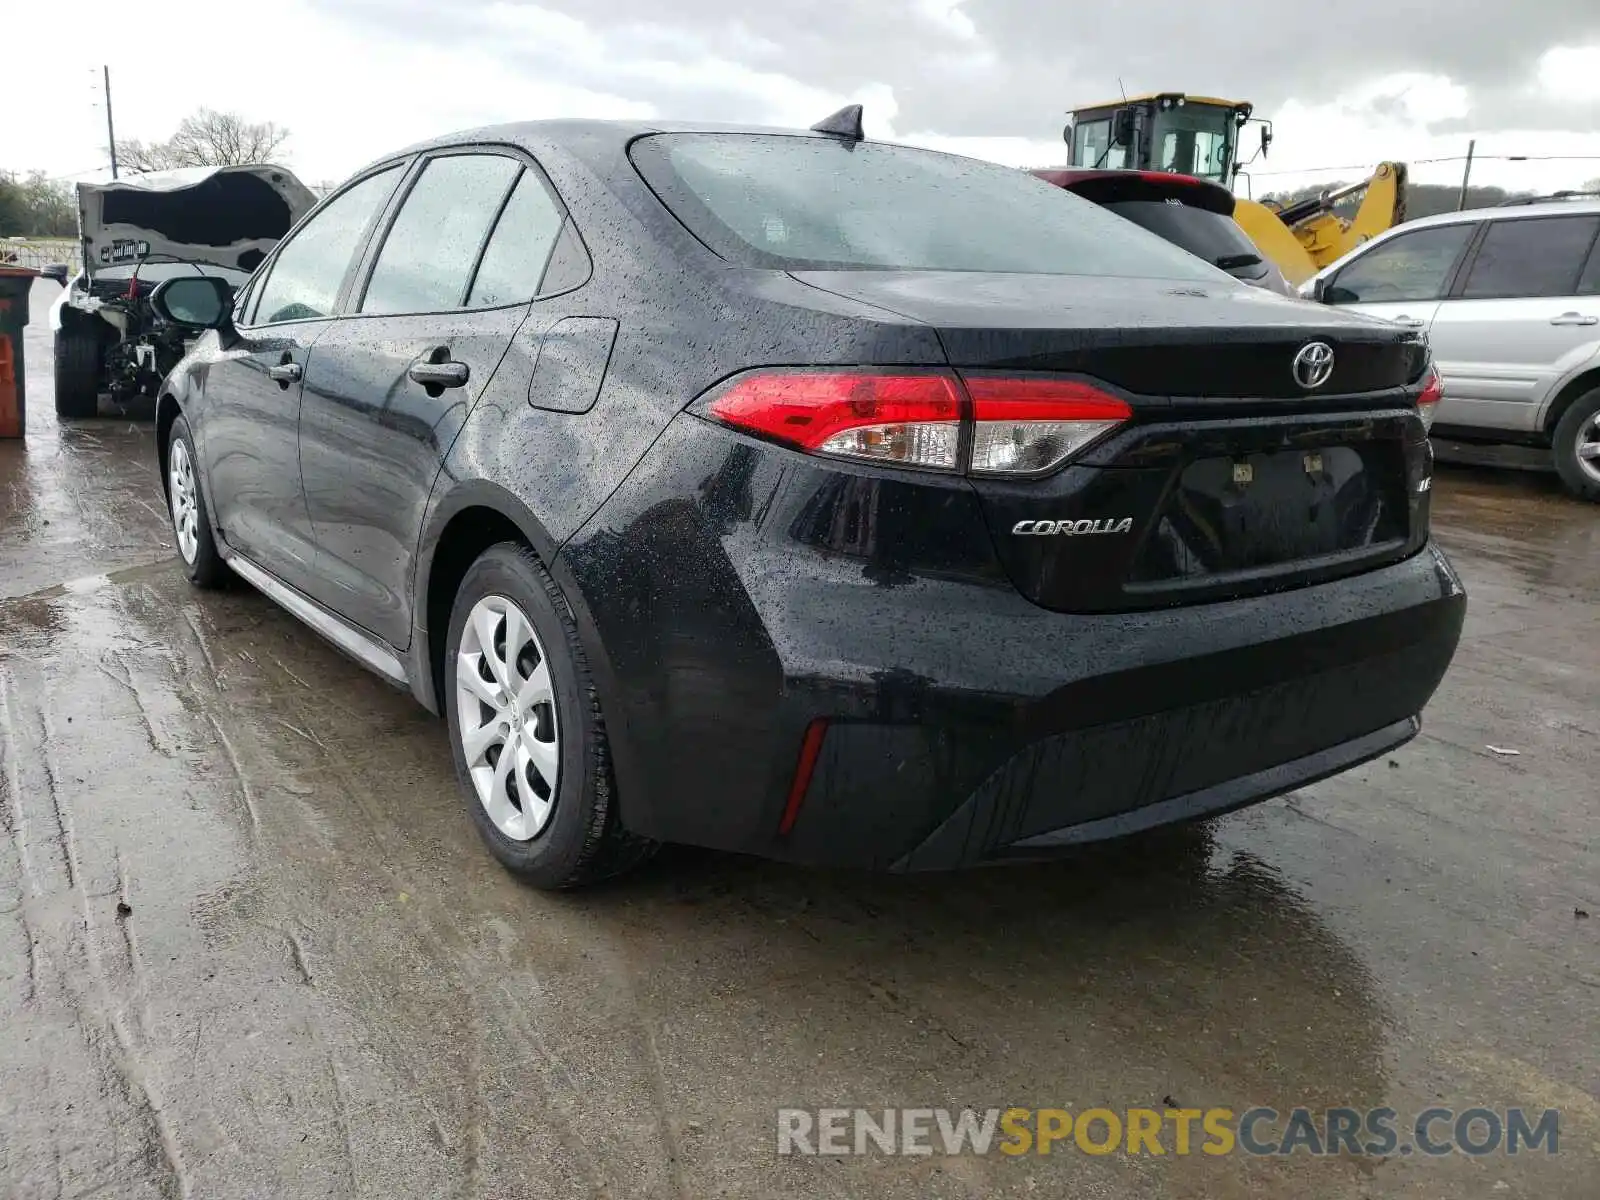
pixel 247 427
pixel 447 286
pixel 1515 320
pixel 1403 278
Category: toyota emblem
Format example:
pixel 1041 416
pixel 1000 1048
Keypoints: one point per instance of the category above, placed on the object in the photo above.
pixel 1313 365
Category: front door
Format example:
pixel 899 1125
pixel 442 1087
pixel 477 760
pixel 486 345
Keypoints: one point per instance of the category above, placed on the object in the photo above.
pixel 391 383
pixel 249 440
pixel 250 447
pixel 1517 323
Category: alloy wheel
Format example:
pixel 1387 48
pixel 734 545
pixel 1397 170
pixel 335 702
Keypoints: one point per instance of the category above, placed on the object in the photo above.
pixel 184 500
pixel 506 713
pixel 1588 447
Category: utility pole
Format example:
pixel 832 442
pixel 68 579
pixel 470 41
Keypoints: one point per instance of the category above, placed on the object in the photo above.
pixel 111 130
pixel 1466 174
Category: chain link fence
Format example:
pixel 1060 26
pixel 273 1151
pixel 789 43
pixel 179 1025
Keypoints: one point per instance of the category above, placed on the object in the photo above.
pixel 42 252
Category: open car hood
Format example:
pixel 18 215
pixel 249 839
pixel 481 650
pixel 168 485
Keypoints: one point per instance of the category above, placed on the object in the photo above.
pixel 229 217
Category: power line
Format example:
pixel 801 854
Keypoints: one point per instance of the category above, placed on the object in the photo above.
pixel 74 174
pixel 1449 158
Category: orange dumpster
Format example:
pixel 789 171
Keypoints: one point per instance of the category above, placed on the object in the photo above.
pixel 15 284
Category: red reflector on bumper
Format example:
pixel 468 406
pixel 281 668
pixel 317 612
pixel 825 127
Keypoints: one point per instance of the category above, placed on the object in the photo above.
pixel 810 748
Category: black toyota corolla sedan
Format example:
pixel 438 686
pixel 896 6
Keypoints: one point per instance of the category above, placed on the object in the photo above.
pixel 819 498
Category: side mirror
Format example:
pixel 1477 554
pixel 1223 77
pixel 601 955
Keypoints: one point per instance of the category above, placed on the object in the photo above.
pixel 197 302
pixel 1319 290
pixel 1266 139
pixel 1122 131
pixel 56 271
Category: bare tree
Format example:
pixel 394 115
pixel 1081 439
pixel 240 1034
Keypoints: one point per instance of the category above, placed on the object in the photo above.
pixel 206 139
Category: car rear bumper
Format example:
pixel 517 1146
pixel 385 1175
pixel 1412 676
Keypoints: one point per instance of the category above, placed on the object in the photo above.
pixel 1129 749
pixel 725 614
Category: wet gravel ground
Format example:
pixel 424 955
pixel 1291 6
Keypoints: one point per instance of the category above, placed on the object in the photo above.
pixel 249 945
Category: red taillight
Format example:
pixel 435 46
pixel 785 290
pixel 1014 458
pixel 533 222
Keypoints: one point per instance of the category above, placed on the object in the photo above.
pixel 1432 393
pixel 908 419
pixel 1028 426
pixel 1023 425
pixel 810 748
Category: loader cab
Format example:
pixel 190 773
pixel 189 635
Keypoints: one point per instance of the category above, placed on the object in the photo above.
pixel 1167 131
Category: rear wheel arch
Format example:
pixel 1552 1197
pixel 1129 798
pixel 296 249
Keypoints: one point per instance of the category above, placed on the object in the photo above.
pixel 461 526
pixel 471 519
pixel 1580 385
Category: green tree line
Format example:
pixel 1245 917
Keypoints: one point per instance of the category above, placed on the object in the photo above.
pixel 34 206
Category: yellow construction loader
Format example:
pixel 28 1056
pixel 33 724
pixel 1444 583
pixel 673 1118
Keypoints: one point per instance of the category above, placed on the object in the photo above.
pixel 1200 136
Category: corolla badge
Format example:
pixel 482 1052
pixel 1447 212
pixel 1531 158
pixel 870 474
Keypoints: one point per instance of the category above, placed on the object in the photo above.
pixel 1073 528
pixel 1313 365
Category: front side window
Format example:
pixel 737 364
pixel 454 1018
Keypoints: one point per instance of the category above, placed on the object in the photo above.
pixel 1194 139
pixel 430 251
pixel 1194 152
pixel 241 302
pixel 812 203
pixel 513 262
pixel 1090 142
pixel 310 268
pixel 1410 266
pixel 1531 256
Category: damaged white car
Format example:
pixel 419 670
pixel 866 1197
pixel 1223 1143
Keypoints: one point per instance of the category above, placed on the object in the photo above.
pixel 138 231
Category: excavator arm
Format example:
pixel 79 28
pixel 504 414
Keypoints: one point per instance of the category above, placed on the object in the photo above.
pixel 1306 236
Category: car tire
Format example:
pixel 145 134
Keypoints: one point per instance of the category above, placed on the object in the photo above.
pixel 77 374
pixel 1578 428
pixel 186 507
pixel 556 836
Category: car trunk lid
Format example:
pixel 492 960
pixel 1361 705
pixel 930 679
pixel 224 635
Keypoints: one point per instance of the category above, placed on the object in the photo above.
pixel 1231 478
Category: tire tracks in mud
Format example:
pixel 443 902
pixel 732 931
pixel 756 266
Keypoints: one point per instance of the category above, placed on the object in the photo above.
pixel 555 1077
pixel 442 934
pixel 56 884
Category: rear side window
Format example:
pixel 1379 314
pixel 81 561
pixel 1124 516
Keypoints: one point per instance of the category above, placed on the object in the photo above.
pixel 1531 256
pixel 1212 236
pixel 797 203
pixel 310 267
pixel 1589 281
pixel 1411 266
pixel 513 262
pixel 430 251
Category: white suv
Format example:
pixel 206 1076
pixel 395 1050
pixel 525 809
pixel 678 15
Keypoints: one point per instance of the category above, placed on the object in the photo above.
pixel 1510 300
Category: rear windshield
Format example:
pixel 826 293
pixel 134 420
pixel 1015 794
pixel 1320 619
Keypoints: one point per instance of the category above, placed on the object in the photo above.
pixel 796 203
pixel 1214 237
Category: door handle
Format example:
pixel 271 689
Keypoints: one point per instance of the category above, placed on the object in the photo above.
pixel 1409 322
pixel 285 373
pixel 1575 318
pixel 439 374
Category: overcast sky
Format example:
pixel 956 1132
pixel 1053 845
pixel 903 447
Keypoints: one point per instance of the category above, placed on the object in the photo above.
pixel 1346 85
